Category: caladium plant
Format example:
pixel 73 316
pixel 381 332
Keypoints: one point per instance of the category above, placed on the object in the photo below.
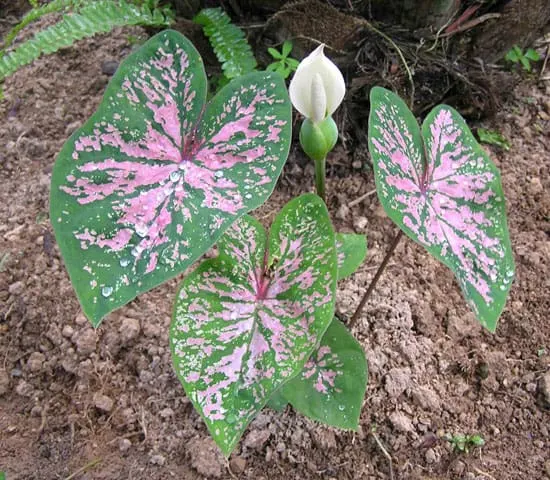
pixel 440 187
pixel 246 322
pixel 156 175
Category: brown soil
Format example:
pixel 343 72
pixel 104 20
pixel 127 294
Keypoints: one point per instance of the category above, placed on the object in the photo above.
pixel 106 404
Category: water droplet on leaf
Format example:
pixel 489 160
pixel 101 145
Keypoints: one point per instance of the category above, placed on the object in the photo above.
pixel 106 291
pixel 141 229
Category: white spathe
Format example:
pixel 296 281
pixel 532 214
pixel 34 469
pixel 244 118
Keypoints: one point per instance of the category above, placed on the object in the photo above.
pixel 317 88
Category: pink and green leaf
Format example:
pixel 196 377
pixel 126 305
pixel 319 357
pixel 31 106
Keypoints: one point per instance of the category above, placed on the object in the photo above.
pixel 351 249
pixel 331 387
pixel 247 321
pixel 155 176
pixel 444 192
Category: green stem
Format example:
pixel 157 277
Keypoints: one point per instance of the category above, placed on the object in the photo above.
pixel 320 173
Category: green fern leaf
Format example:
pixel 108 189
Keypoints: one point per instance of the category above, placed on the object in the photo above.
pixel 228 41
pixel 95 17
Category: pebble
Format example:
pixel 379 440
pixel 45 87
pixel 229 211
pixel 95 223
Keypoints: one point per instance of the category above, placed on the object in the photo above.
pixel 401 422
pixel 360 224
pixel 124 444
pixel 397 381
pixel 67 331
pixel 16 288
pixel 206 458
pixel 4 382
pixel 256 439
pixel 342 212
pixel 459 467
pixel 158 460
pixel 35 361
pixel 426 398
pixel 81 319
pixel 103 402
pixel 544 389
pixel 129 329
pixel 431 456
pixel 85 341
pixel 109 67
pixel 238 465
pixel 24 389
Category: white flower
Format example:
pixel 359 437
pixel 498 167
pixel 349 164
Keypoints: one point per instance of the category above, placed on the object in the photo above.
pixel 317 88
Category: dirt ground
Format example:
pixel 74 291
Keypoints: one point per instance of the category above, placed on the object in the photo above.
pixel 105 404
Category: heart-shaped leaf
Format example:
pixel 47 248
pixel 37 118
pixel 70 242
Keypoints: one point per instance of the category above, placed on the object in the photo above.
pixel 154 177
pixel 247 321
pixel 332 384
pixel 444 192
pixel 351 249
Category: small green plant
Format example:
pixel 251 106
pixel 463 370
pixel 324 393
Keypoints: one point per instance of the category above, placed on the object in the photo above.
pixel 463 443
pixel 228 42
pixel 493 137
pixel 517 56
pixel 159 175
pixel 283 64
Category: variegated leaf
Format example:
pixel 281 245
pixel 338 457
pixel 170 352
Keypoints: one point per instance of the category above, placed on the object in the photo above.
pixel 331 387
pixel 444 192
pixel 154 177
pixel 351 249
pixel 246 322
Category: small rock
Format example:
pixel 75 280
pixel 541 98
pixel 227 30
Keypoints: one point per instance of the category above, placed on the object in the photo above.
pixel 157 460
pixel 531 387
pixel 401 422
pixel 357 164
pixel 4 382
pixel 342 212
pixel 535 186
pixel 85 341
pixel 124 444
pixel 67 331
pixel 16 288
pixel 166 413
pixel 103 402
pixel 151 330
pixel 206 457
pixel 544 389
pixel 397 381
pixel 425 398
pixel 36 411
pixel 459 467
pixel 109 67
pixel 35 361
pixel 129 329
pixel 431 456
pixel 547 468
pixel 237 465
pixel 462 326
pixel 360 224
pixel 256 439
pixel 81 319
pixel 24 389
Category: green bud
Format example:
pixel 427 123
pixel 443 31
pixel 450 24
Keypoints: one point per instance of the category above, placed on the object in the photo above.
pixel 318 139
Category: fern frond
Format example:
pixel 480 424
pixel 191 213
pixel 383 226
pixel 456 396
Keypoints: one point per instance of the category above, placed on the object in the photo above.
pixel 100 16
pixel 228 41
pixel 35 14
